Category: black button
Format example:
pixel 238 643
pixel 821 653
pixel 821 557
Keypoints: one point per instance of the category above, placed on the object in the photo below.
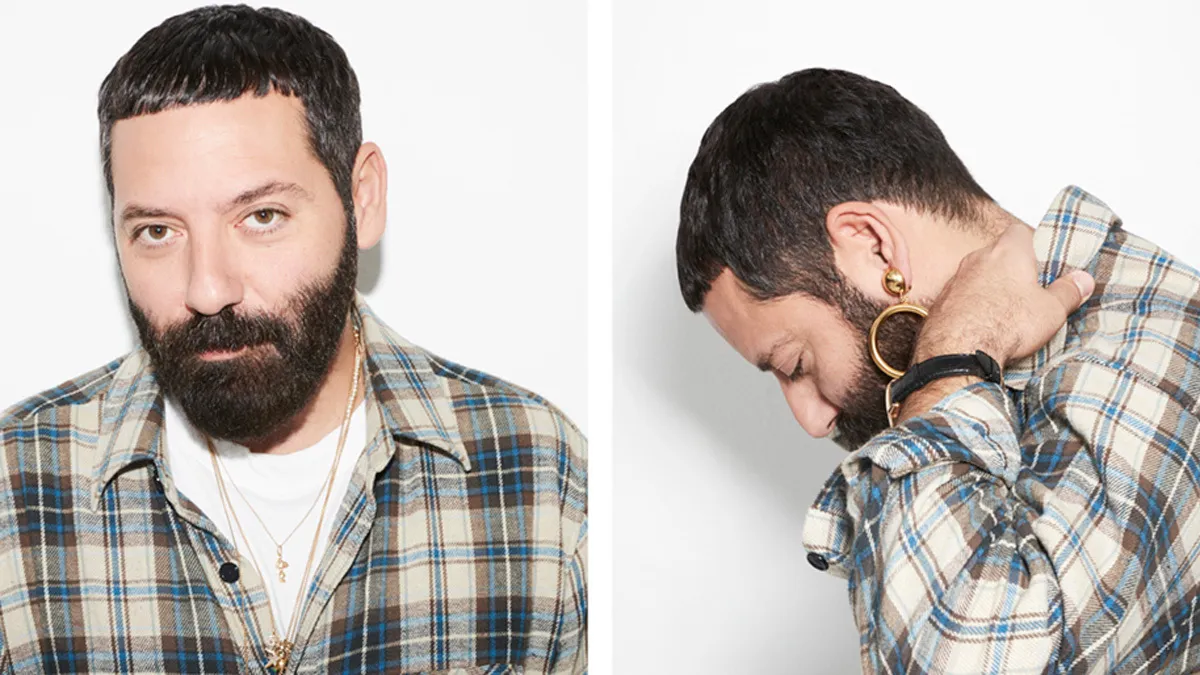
pixel 814 559
pixel 229 572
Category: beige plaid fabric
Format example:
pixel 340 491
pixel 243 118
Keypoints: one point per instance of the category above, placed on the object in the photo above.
pixel 460 546
pixel 1048 525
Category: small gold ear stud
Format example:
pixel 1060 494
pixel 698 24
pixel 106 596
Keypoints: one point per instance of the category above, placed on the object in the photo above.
pixel 893 281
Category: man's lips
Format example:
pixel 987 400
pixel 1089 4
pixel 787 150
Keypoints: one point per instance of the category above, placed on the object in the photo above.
pixel 226 354
pixel 215 354
pixel 221 354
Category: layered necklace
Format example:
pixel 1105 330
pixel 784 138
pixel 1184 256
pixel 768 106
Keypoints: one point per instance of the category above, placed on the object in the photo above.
pixel 279 648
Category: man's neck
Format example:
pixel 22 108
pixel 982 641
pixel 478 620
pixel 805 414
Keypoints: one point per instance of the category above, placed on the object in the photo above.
pixel 944 248
pixel 324 413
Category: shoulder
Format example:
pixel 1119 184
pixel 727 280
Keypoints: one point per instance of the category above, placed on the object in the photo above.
pixel 41 438
pixel 1143 320
pixel 493 414
pixel 516 439
pixel 512 441
pixel 1135 276
pixel 75 392
pixel 473 390
pixel 485 409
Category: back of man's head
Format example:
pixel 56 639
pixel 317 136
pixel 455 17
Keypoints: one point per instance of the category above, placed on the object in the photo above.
pixel 774 162
pixel 220 53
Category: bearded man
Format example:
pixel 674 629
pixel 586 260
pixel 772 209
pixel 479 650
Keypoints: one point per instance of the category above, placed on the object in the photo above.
pixel 1021 492
pixel 275 479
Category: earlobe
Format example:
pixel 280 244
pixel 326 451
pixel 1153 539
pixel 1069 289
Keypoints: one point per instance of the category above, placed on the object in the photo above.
pixel 369 181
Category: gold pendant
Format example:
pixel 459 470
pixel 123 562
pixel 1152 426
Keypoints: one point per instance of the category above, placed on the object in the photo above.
pixel 280 651
pixel 280 564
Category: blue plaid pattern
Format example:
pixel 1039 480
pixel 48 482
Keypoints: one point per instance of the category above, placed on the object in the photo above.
pixel 1048 525
pixel 460 546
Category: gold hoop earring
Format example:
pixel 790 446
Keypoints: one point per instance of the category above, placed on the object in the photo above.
pixel 894 283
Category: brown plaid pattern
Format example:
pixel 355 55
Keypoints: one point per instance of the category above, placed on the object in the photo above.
pixel 460 546
pixel 1049 525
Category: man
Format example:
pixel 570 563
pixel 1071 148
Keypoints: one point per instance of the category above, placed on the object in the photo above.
pixel 275 480
pixel 1020 494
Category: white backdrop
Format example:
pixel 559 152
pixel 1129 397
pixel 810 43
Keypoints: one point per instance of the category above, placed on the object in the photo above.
pixel 480 109
pixel 712 475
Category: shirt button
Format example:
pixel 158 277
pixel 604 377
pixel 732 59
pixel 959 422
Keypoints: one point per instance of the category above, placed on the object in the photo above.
pixel 229 572
pixel 817 561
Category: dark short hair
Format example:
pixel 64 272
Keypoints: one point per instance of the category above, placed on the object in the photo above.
pixel 774 162
pixel 219 53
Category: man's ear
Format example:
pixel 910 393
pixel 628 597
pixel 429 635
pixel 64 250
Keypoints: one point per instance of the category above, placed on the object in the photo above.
pixel 865 243
pixel 368 183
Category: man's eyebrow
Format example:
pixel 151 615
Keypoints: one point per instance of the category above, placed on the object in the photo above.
pixel 139 211
pixel 266 189
pixel 136 211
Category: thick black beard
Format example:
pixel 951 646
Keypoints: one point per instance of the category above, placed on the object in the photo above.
pixel 253 395
pixel 862 415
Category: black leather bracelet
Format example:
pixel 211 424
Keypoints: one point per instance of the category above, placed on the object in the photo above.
pixel 978 364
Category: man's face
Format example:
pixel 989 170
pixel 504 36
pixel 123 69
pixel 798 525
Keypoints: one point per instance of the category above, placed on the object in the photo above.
pixel 237 257
pixel 817 352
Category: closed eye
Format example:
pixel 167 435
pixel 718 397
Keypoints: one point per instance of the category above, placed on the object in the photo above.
pixel 798 371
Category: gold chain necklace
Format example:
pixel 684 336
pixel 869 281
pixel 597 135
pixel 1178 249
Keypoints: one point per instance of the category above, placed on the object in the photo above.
pixel 279 649
pixel 281 565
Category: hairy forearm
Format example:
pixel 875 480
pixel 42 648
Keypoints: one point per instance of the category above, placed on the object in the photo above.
pixel 924 399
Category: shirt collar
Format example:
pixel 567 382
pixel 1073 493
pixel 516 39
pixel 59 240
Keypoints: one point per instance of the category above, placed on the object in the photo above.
pixel 406 385
pixel 411 387
pixel 1069 237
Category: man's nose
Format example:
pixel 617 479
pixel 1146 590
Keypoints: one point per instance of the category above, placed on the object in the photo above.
pixel 212 284
pixel 812 410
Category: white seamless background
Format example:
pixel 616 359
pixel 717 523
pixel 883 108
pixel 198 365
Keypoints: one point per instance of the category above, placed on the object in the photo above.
pixel 480 109
pixel 712 475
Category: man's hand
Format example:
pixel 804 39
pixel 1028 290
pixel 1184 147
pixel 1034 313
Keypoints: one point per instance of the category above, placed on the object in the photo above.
pixel 994 303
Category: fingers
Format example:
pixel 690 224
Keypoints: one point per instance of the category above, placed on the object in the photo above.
pixel 995 298
pixel 1071 290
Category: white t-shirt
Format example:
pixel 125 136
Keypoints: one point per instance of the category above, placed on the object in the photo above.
pixel 279 487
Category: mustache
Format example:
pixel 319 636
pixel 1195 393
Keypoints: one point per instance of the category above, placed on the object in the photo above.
pixel 224 331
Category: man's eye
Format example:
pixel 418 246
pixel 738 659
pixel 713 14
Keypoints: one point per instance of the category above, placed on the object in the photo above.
pixel 797 372
pixel 263 218
pixel 154 235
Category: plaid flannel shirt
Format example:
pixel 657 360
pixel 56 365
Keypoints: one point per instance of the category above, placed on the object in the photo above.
pixel 1049 525
pixel 460 546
